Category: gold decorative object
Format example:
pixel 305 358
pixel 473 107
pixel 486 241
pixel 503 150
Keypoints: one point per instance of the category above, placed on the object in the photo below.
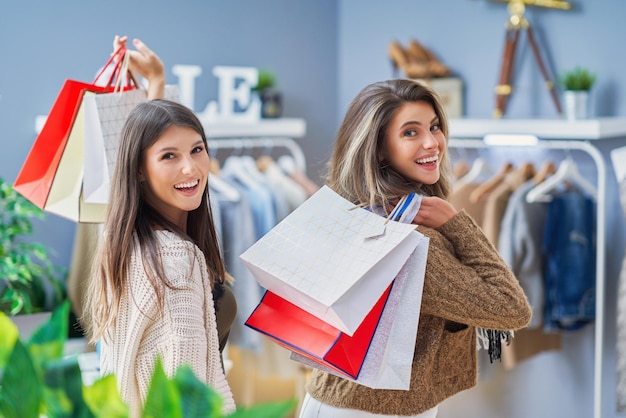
pixel 518 21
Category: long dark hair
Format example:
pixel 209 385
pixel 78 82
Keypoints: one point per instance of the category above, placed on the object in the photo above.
pixel 129 215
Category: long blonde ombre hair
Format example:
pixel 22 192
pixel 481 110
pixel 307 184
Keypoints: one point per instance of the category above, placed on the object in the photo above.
pixel 130 217
pixel 355 171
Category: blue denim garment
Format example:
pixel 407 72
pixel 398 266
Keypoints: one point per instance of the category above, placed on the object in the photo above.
pixel 570 270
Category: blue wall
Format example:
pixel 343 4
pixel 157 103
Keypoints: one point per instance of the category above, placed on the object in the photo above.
pixel 43 43
pixel 323 53
pixel 468 36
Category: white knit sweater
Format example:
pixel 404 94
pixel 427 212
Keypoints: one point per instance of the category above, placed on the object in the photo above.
pixel 186 333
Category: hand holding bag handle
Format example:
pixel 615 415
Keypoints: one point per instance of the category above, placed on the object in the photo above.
pixel 37 173
pixel 123 73
pixel 116 58
pixel 105 115
pixel 65 197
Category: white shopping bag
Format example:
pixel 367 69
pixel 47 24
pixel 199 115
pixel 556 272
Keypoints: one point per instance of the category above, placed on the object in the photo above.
pixel 332 259
pixel 65 198
pixel 389 359
pixel 105 115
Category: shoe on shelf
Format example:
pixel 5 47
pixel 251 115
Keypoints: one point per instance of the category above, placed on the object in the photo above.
pixel 398 56
pixel 435 67
pixel 416 61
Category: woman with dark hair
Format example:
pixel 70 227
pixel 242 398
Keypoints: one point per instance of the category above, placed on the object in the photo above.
pixel 159 265
pixel 393 141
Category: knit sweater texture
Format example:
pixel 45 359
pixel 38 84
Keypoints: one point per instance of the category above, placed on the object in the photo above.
pixel 184 333
pixel 466 285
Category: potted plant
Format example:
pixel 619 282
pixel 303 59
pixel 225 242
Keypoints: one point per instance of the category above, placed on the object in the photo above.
pixel 576 84
pixel 271 99
pixel 36 379
pixel 29 282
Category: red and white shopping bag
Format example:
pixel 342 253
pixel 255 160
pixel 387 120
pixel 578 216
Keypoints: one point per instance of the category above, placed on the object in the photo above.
pixel 36 177
pixel 331 258
pixel 303 333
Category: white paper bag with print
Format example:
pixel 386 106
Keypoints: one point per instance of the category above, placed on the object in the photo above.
pixel 389 359
pixel 105 115
pixel 331 258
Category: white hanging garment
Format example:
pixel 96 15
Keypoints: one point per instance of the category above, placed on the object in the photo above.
pixel 225 190
pixel 567 172
pixel 234 166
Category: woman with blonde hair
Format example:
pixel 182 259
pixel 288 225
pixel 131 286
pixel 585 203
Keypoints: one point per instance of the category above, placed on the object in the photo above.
pixel 392 142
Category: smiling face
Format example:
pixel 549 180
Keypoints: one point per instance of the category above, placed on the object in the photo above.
pixel 414 143
pixel 174 172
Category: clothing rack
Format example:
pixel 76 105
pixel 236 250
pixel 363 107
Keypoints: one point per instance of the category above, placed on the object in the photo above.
pixel 600 238
pixel 246 140
pixel 266 144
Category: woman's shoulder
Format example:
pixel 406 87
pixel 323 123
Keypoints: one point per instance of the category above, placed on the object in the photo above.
pixel 176 251
pixel 172 243
pixel 460 227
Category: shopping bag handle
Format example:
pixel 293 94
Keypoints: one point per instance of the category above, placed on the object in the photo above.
pixel 404 211
pixel 125 74
pixel 119 53
pixel 118 74
pixel 122 73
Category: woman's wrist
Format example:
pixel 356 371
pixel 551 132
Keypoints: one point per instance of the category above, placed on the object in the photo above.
pixel 156 88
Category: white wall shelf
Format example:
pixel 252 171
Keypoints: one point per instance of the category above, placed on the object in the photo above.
pixel 279 132
pixel 588 129
pixel 279 127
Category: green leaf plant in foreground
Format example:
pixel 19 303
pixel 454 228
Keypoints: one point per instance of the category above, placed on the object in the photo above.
pixel 29 281
pixel 36 380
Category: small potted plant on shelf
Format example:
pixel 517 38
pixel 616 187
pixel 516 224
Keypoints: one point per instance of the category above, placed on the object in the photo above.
pixel 30 284
pixel 576 84
pixel 271 99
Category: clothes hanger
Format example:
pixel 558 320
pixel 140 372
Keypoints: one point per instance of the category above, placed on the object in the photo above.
pixel 214 162
pixel 250 166
pixel 234 166
pixel 287 163
pixel 226 191
pixel 263 162
pixel 526 171
pixel 547 169
pixel 566 173
pixel 460 169
pixel 214 166
pixel 491 184
pixel 480 168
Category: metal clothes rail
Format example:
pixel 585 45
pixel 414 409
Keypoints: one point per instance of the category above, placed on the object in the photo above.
pixel 600 238
pixel 265 143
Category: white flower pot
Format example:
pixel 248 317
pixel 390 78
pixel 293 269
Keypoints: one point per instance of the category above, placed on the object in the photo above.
pixel 576 104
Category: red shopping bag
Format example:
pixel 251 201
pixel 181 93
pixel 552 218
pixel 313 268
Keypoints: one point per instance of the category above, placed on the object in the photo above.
pixel 37 173
pixel 305 334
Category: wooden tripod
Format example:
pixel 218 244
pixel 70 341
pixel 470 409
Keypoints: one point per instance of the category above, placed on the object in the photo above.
pixel 517 22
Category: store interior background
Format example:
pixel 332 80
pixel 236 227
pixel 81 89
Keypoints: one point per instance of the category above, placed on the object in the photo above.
pixel 323 52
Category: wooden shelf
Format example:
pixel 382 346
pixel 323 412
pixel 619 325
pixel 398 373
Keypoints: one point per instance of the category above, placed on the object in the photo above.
pixel 589 129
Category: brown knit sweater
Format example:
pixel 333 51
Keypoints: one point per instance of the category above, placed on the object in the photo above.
pixel 467 285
